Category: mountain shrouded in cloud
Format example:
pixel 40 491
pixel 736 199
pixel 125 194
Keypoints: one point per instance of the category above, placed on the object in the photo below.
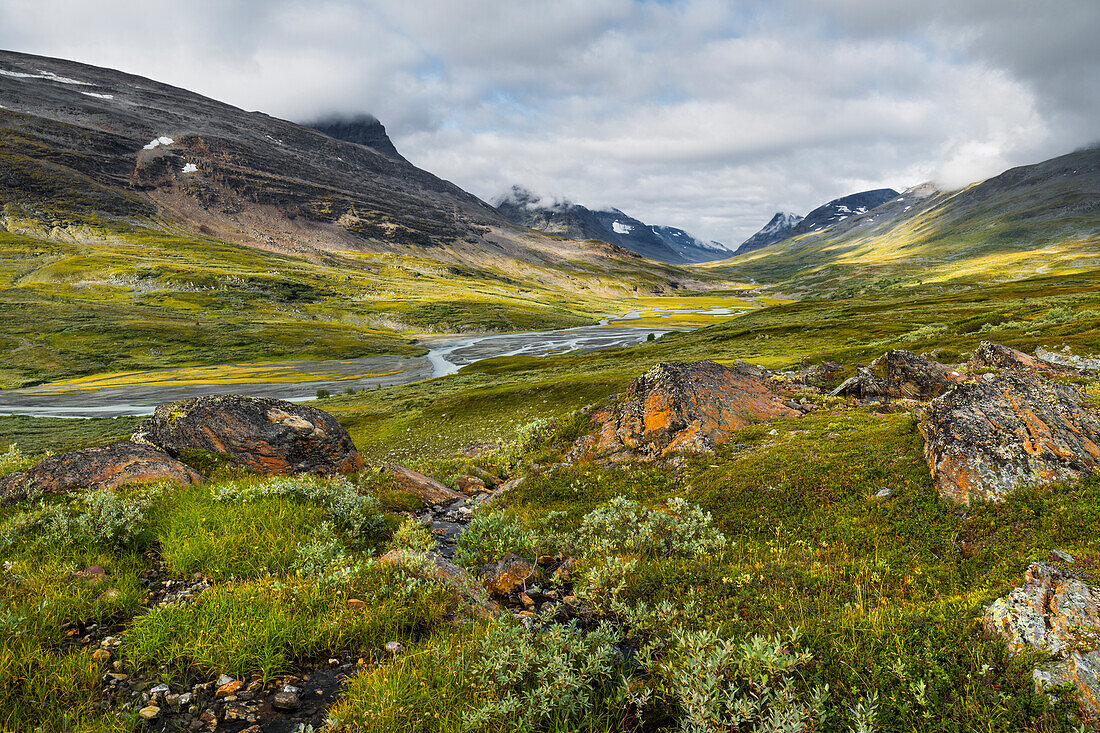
pixel 707 115
pixel 572 221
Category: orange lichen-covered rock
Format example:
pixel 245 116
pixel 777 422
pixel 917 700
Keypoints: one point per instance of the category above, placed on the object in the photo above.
pixel 987 439
pixel 264 435
pixel 690 407
pixel 104 467
pixel 1055 612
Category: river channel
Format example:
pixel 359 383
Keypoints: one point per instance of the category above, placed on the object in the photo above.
pixel 138 393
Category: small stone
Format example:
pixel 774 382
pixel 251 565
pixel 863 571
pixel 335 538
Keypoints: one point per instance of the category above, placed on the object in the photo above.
pixel 185 699
pixel 223 680
pixel 111 642
pixel 101 655
pixel 333 662
pixel 149 713
pixel 116 677
pixel 356 604
pixel 285 702
pixel 884 493
pixel 1063 556
pixel 526 600
pixel 172 700
pixel 773 431
pixel 229 689
pixel 394 648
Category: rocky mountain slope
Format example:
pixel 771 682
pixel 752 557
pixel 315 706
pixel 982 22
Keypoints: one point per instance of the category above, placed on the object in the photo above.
pixel 573 221
pixel 786 225
pixel 361 130
pixel 777 229
pixel 81 145
pixel 1031 220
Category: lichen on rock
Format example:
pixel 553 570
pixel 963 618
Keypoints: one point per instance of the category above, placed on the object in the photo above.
pixel 987 439
pixel 1055 612
pixel 692 406
pixel 264 435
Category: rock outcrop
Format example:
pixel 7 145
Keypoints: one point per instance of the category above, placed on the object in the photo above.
pixel 104 467
pixel 425 488
pixel 999 356
pixel 900 374
pixel 984 440
pixel 690 407
pixel 264 435
pixel 1056 612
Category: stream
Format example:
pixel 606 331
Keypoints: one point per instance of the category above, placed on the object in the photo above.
pixel 297 381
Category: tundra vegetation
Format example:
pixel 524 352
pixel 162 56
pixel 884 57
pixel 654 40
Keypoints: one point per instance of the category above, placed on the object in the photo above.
pixel 760 587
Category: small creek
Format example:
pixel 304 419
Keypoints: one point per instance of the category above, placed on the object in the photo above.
pixel 297 381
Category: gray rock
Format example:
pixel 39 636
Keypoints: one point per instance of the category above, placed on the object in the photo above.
pixel 285 702
pixel 884 493
pixel 987 439
pixel 1055 612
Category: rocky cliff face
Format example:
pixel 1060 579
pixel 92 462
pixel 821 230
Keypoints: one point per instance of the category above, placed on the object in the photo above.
pixel 77 140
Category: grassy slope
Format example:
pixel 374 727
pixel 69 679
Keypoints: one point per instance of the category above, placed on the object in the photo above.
pixel 1028 221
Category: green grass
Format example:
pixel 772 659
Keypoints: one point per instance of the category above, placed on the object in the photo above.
pixel 260 627
pixel 253 540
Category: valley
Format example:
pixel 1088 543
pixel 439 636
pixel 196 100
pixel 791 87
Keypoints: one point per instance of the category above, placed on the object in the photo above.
pixel 297 436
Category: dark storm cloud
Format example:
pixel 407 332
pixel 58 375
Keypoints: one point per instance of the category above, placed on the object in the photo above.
pixel 705 114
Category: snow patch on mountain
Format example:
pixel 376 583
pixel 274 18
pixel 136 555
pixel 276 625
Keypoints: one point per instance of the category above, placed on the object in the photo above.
pixel 162 140
pixel 47 75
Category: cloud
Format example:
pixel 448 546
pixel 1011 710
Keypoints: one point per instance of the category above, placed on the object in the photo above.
pixel 702 114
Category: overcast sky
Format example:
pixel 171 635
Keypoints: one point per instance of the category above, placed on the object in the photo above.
pixel 704 114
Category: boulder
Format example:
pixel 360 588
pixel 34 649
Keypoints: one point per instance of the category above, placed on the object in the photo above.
pixel 984 440
pixel 998 356
pixel 507 575
pixel 690 407
pixel 470 485
pixel 819 375
pixel 425 488
pixel 264 435
pixel 104 467
pixel 901 374
pixel 1055 612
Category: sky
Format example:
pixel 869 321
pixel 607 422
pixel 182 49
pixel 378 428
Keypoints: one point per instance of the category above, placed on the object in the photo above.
pixel 709 115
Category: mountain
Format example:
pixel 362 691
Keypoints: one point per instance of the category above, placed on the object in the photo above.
pixel 361 130
pixel 84 145
pixel 1030 220
pixel 572 221
pixel 691 248
pixel 778 228
pixel 785 225
pixel 843 208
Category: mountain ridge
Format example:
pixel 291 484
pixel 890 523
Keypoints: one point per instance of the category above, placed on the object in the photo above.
pixel 573 221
